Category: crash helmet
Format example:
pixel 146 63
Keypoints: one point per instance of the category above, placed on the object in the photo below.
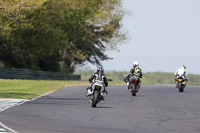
pixel 135 64
pixel 100 68
pixel 183 67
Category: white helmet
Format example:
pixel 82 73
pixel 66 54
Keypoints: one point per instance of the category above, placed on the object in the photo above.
pixel 135 64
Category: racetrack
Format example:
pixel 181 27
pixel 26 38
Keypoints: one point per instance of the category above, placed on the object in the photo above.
pixel 155 109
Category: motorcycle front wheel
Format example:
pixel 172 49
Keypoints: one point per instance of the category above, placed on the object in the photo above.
pixel 95 98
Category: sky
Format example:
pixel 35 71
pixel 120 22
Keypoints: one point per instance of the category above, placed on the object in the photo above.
pixel 164 34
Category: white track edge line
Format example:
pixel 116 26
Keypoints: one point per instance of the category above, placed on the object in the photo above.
pixel 7 128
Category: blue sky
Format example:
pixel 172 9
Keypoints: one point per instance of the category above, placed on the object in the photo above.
pixel 164 34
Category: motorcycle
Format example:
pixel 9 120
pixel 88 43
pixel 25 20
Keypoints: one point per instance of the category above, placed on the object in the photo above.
pixel 181 82
pixel 132 84
pixel 97 94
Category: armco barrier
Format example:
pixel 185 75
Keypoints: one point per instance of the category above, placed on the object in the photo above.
pixel 7 73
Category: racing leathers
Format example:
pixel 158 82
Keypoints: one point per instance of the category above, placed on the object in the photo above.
pixel 97 76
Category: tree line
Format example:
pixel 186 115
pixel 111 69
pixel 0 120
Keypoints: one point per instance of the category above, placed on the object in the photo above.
pixel 58 35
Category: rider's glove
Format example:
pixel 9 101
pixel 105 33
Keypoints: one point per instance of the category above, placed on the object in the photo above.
pixel 90 81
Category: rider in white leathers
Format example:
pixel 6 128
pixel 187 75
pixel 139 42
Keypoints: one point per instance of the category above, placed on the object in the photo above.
pixel 181 70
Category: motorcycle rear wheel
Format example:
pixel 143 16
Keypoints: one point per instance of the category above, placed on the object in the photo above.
pixel 180 87
pixel 95 98
pixel 133 90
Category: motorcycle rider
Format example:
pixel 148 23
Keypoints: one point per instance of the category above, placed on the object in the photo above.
pixel 181 70
pixel 98 75
pixel 135 71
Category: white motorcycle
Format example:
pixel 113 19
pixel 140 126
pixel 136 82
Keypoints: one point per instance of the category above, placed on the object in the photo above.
pixel 181 82
pixel 97 93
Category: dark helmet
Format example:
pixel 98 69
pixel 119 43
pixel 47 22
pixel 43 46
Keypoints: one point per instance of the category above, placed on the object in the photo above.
pixel 100 69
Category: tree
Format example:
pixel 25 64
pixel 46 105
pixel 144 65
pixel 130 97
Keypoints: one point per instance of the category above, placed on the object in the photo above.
pixel 16 12
pixel 68 31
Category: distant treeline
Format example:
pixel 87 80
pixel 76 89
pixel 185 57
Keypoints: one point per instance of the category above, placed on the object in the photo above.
pixel 148 78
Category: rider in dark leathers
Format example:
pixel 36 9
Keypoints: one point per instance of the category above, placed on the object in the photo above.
pixel 98 75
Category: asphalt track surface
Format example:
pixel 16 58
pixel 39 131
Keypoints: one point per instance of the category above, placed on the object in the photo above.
pixel 155 109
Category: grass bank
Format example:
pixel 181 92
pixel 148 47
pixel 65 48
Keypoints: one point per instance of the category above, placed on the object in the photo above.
pixel 28 89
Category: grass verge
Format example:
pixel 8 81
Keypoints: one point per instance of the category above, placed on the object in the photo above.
pixel 28 89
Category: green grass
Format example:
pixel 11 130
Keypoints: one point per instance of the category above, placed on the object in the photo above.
pixel 28 89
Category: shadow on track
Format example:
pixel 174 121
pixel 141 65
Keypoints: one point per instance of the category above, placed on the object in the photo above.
pixel 58 101
pixel 104 107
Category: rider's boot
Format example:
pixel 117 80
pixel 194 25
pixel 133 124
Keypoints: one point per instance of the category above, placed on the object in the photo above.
pixel 139 85
pixel 104 92
pixel 176 84
pixel 128 85
pixel 89 90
